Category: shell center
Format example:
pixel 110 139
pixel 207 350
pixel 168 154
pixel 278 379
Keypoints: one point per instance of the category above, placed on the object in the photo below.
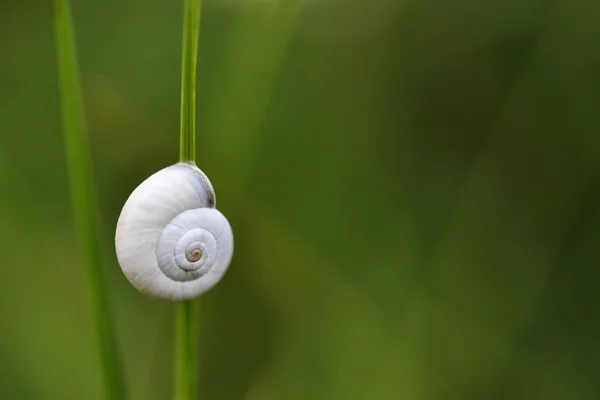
pixel 193 254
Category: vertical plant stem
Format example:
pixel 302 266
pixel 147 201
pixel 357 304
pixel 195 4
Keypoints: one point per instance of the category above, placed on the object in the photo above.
pixel 185 321
pixel 83 198
pixel 185 351
pixel 189 56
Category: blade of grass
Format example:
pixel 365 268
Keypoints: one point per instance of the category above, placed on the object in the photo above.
pixel 185 321
pixel 189 56
pixel 185 351
pixel 79 167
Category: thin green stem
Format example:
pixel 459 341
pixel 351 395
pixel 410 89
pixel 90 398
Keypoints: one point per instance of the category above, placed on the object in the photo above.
pixel 185 351
pixel 191 30
pixel 186 320
pixel 83 198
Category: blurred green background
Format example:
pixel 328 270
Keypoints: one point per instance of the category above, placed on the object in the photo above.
pixel 414 187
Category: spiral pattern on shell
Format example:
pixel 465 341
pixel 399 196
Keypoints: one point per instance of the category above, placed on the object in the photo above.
pixel 171 242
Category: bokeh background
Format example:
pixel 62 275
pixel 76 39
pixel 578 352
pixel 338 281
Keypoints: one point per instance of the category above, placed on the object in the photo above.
pixel 414 187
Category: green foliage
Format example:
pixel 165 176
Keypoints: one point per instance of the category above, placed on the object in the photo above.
pixel 413 188
pixel 83 198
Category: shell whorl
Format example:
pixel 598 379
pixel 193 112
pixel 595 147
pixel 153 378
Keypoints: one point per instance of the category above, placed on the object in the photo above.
pixel 171 242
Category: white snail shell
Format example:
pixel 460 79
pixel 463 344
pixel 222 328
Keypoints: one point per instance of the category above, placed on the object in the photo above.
pixel 171 242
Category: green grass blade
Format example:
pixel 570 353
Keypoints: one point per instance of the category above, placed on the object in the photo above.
pixel 185 351
pixel 83 198
pixel 185 321
pixel 189 56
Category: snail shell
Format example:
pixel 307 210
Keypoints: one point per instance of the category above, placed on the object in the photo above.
pixel 171 242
